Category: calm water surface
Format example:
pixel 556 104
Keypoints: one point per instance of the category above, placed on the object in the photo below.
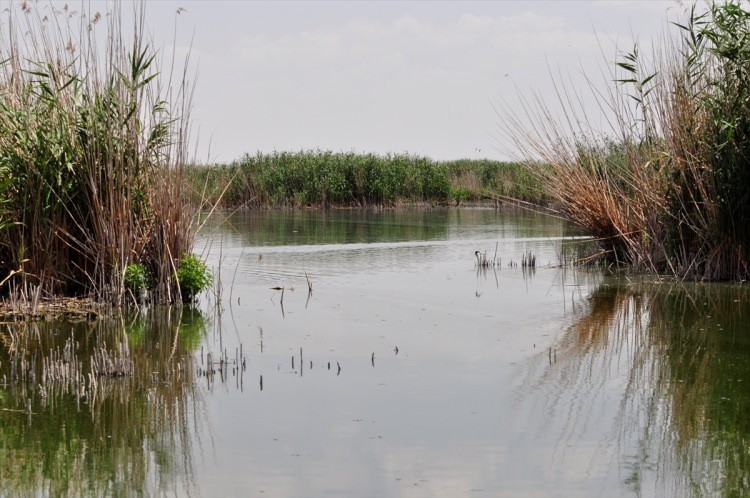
pixel 405 372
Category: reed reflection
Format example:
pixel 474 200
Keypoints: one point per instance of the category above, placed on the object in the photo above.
pixel 107 407
pixel 673 364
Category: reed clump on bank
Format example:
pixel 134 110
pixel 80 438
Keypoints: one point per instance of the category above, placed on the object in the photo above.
pixel 668 190
pixel 325 178
pixel 478 179
pixel 93 143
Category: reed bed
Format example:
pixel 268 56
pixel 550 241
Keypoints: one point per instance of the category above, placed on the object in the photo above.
pixel 477 180
pixel 93 140
pixel 324 178
pixel 666 189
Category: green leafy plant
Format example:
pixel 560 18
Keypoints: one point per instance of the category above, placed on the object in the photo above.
pixel 193 277
pixel 137 277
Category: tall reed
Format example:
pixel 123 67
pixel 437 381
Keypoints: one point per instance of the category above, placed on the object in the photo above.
pixel 325 178
pixel 93 141
pixel 667 188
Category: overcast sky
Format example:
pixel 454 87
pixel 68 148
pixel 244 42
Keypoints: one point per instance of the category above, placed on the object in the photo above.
pixel 417 77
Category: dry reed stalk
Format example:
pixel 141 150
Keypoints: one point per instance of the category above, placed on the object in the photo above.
pixel 93 147
pixel 646 188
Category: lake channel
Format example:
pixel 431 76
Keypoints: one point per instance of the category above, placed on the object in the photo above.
pixel 405 371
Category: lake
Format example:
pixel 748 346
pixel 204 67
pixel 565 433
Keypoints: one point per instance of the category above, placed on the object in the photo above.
pixel 405 371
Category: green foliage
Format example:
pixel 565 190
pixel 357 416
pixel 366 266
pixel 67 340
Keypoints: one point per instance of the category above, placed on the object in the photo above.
pixel 137 277
pixel 90 160
pixel 193 276
pixel 477 179
pixel 347 179
pixel 726 35
pixel 461 194
pixel 717 81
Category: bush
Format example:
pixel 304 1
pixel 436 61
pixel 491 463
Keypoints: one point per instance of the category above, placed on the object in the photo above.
pixel 137 278
pixel 193 277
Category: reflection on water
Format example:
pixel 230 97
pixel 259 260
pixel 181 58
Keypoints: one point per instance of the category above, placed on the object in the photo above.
pixel 69 429
pixel 278 245
pixel 670 365
pixel 407 371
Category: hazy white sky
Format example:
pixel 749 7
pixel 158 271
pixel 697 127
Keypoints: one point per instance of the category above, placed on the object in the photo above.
pixel 416 77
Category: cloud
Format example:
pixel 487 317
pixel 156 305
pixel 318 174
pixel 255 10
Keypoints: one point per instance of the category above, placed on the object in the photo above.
pixel 658 6
pixel 405 81
pixel 467 40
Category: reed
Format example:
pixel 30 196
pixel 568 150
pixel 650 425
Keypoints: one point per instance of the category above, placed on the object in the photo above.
pixel 667 189
pixel 324 178
pixel 475 180
pixel 93 140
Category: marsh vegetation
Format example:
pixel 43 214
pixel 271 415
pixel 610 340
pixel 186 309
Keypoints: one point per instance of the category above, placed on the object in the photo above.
pixel 325 178
pixel 93 139
pixel 666 190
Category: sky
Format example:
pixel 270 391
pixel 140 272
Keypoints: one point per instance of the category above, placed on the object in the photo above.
pixel 384 77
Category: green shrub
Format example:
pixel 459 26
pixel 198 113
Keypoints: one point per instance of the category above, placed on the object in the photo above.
pixel 137 278
pixel 193 277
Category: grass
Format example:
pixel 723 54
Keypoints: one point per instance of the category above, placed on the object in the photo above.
pixel 474 180
pixel 93 144
pixel 324 178
pixel 666 190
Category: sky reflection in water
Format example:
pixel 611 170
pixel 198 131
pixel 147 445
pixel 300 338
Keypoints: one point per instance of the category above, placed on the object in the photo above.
pixel 408 373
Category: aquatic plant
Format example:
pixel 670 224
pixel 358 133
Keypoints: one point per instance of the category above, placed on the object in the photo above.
pixel 324 178
pixel 478 179
pixel 92 147
pixel 667 190
pixel 321 178
pixel 137 278
pixel 193 277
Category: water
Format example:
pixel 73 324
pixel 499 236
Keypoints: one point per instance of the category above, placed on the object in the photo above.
pixel 405 372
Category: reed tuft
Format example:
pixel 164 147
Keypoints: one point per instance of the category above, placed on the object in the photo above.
pixel 92 149
pixel 667 189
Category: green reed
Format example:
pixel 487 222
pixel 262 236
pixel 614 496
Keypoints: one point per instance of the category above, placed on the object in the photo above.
pixel 324 178
pixel 92 147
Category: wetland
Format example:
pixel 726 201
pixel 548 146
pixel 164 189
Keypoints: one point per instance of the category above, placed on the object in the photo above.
pixel 405 371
